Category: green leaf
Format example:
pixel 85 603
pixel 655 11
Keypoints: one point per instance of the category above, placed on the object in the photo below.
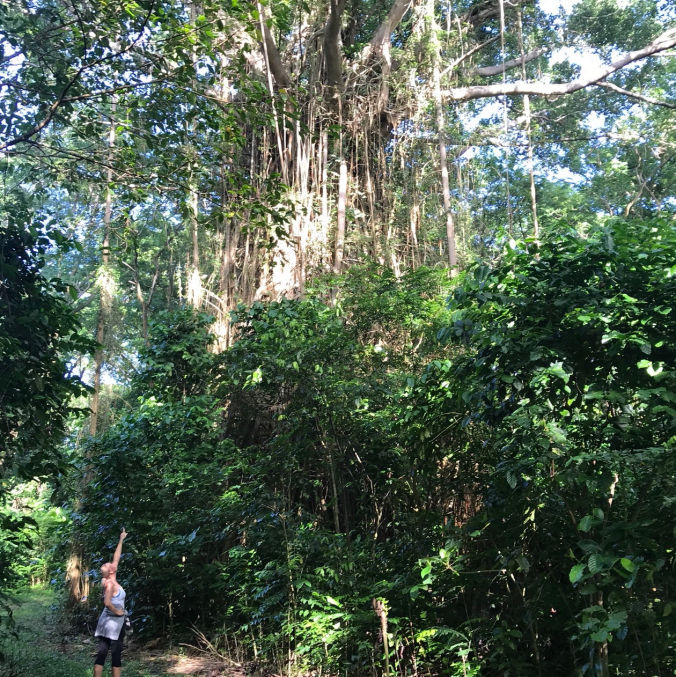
pixel 586 523
pixel 596 563
pixel 576 573
pixel 556 369
pixel 589 546
pixel 628 564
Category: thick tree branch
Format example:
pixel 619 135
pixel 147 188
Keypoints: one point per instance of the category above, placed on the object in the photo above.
pixel 634 95
pixel 483 11
pixel 665 41
pixel 277 69
pixel 332 52
pixel 456 62
pixel 487 71
pixel 381 38
pixel 478 14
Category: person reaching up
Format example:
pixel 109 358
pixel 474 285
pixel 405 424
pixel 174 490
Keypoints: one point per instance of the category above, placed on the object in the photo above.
pixel 110 628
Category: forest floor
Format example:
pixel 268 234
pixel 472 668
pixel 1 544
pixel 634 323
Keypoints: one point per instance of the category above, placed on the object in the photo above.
pixel 42 646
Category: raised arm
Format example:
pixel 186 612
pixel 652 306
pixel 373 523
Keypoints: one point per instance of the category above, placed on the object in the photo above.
pixel 118 550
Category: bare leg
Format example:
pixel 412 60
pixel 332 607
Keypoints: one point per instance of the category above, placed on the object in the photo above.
pixel 98 670
pixel 117 672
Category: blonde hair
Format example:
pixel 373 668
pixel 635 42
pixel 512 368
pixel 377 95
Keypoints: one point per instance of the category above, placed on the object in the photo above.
pixel 108 568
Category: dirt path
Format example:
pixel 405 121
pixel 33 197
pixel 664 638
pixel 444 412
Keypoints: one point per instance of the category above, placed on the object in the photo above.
pixel 42 647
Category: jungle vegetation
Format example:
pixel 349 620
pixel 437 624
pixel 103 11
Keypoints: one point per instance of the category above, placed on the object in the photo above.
pixel 357 315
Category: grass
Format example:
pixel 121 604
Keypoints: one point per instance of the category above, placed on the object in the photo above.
pixel 29 651
pixel 35 649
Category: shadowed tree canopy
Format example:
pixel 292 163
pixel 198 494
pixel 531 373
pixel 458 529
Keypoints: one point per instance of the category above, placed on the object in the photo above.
pixel 39 333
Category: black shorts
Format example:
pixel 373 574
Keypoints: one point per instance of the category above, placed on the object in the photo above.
pixel 114 646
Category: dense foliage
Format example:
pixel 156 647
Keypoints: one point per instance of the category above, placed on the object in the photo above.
pixel 568 377
pixel 503 508
pixel 39 331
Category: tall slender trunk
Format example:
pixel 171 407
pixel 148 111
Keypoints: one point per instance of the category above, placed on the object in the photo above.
pixel 443 155
pixel 194 282
pixel 324 141
pixel 505 121
pixel 334 493
pixel 414 221
pixel 341 205
pixel 334 91
pixel 143 299
pixel 281 149
pixel 105 283
pixel 195 292
pixel 340 212
pixel 76 576
pixel 527 115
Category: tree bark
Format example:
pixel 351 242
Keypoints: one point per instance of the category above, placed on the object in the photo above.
pixel 340 214
pixel 443 155
pixel 381 38
pixel 143 302
pixel 529 141
pixel 195 291
pixel 105 285
pixel 76 577
pixel 499 69
pixel 272 53
pixel 332 53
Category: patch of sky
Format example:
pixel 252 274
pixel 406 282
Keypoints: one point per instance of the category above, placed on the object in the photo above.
pixel 594 121
pixel 556 6
pixel 490 110
pixel 15 60
pixel 566 175
pixel 588 62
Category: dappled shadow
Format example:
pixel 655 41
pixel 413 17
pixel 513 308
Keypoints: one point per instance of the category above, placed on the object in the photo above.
pixel 169 663
pixel 41 626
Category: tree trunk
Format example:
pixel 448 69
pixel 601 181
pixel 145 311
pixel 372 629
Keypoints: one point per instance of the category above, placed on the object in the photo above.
pixel 105 284
pixel 143 301
pixel 443 155
pixel 340 214
pixel 527 115
pixel 195 292
pixel 76 578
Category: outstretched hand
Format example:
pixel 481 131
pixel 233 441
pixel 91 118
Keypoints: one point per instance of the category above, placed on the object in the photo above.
pixel 123 534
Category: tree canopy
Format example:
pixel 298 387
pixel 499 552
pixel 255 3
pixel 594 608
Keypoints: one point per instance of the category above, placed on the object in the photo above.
pixel 39 334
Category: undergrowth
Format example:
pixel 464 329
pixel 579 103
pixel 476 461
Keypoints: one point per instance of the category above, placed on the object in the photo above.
pixel 35 649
